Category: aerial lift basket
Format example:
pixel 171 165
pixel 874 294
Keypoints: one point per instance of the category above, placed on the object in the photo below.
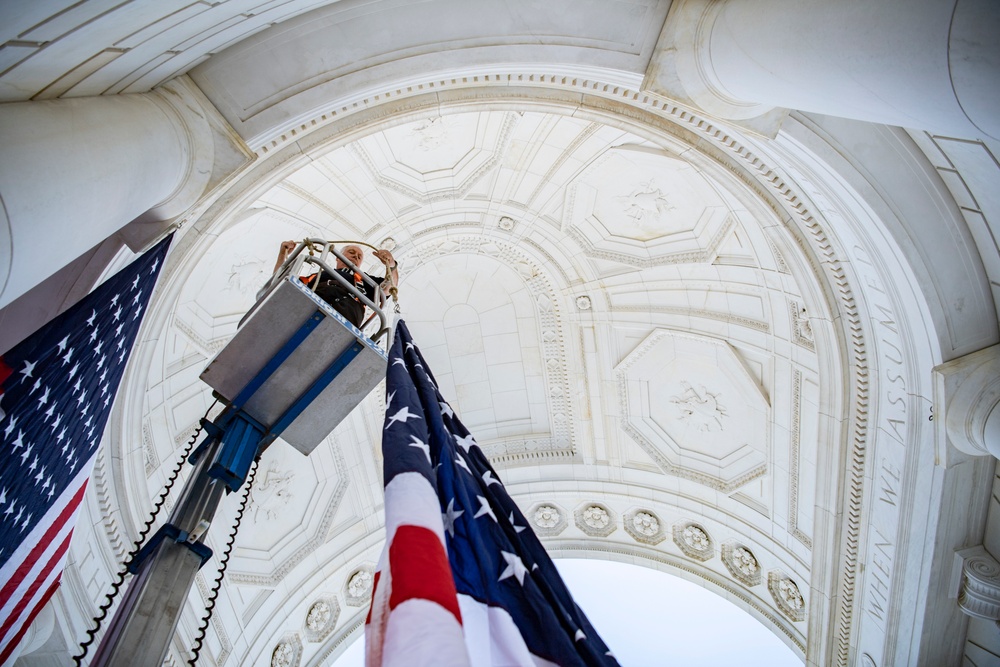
pixel 297 366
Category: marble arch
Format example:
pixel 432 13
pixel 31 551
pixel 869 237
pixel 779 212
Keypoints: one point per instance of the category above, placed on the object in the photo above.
pixel 820 297
pixel 824 297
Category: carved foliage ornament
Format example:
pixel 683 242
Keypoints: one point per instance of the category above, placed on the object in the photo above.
pixel 595 520
pixel 288 652
pixel 741 563
pixel 272 493
pixel 358 590
pixel 644 526
pixel 548 519
pixel 322 618
pixel 786 595
pixel 693 540
pixel 700 408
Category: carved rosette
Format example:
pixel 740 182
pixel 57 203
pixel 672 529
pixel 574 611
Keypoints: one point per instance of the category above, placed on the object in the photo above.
pixel 322 618
pixel 644 526
pixel 358 587
pixel 548 519
pixel 741 563
pixel 288 652
pixel 693 540
pixel 979 594
pixel 506 223
pixel 583 302
pixel 786 595
pixel 595 519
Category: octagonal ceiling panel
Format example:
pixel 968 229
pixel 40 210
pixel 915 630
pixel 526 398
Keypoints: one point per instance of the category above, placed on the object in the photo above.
pixel 644 204
pixel 291 507
pixel 436 158
pixel 690 402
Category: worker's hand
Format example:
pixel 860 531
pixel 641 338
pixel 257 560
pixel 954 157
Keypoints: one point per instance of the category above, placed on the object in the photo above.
pixel 385 257
pixel 287 247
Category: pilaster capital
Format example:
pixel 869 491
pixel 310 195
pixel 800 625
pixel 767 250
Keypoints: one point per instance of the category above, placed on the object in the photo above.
pixel 979 590
pixel 181 101
pixel 967 402
pixel 682 70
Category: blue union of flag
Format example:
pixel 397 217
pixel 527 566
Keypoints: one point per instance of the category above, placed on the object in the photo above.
pixel 58 387
pixel 463 579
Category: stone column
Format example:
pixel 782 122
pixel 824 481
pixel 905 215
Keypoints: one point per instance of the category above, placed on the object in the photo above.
pixel 922 64
pixel 74 171
pixel 967 402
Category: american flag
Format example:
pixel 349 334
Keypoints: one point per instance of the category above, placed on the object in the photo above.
pixel 463 579
pixel 58 387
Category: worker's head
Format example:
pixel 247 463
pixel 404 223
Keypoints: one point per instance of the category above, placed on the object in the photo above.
pixel 353 253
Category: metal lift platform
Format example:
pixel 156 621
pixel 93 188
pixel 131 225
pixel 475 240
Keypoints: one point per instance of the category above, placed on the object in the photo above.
pixel 295 369
pixel 291 344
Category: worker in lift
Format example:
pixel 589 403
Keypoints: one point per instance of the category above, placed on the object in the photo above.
pixel 334 293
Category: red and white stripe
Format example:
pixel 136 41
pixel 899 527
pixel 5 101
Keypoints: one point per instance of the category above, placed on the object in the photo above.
pixel 5 372
pixel 31 575
pixel 415 618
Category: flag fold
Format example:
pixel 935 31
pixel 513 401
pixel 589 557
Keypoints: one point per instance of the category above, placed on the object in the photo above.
pixel 57 388
pixel 463 579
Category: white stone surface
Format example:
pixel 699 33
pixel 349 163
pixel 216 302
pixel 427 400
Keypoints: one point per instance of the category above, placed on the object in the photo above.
pixel 817 277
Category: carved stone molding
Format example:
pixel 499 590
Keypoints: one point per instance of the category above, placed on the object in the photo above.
pixel 358 587
pixel 644 526
pixel 321 618
pixel 548 518
pixel 288 652
pixel 531 269
pixel 595 519
pixel 692 539
pixel 771 182
pixel 786 595
pixel 802 333
pixel 741 563
pixel 979 591
pixel 683 425
pixel 967 402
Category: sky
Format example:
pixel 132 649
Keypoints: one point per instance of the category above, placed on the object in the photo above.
pixel 653 619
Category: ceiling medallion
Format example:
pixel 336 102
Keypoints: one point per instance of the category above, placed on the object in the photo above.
pixel 644 526
pixel 700 408
pixel 693 540
pixel 358 589
pixel 549 519
pixel 786 595
pixel 322 618
pixel 596 520
pixel 741 563
pixel 288 652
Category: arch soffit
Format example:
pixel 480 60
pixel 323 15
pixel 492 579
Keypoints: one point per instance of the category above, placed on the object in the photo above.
pixel 734 158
